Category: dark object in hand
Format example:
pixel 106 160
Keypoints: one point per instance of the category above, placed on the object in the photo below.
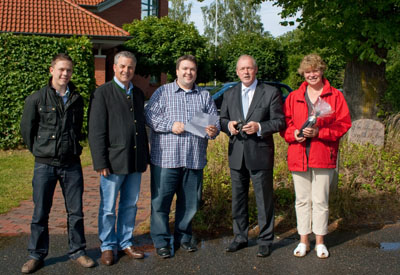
pixel 310 122
pixel 239 125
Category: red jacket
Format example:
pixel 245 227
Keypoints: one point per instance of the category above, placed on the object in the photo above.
pixel 324 147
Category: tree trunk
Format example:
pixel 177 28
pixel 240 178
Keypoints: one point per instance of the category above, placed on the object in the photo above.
pixel 364 86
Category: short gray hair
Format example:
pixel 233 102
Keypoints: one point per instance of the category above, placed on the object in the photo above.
pixel 125 54
pixel 247 56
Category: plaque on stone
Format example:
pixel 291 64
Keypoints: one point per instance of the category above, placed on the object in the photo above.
pixel 365 131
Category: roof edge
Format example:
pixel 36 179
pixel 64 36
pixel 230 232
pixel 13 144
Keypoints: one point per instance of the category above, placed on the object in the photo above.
pixel 97 17
pixel 102 6
pixel 104 37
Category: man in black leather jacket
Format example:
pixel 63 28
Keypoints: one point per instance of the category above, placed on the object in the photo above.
pixel 51 128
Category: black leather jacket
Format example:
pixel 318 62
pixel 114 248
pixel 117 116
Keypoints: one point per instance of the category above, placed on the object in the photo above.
pixel 52 130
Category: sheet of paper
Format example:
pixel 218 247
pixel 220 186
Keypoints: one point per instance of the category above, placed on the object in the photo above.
pixel 199 122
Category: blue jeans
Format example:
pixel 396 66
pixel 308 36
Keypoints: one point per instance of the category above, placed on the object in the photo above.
pixel 44 182
pixel 128 187
pixel 165 182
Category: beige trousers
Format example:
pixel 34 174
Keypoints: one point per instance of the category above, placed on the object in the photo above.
pixel 312 200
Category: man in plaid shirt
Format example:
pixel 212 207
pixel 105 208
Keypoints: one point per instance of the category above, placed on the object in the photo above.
pixel 177 156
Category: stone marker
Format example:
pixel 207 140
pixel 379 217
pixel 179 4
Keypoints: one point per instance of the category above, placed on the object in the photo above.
pixel 365 131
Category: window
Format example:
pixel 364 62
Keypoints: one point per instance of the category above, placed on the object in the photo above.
pixel 149 8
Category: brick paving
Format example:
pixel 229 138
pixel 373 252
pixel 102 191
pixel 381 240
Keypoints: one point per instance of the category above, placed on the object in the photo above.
pixel 17 221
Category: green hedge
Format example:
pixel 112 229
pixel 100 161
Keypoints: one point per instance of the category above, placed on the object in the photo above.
pixel 24 68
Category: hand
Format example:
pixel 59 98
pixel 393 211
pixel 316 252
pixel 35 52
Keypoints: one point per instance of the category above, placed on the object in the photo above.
pixel 296 136
pixel 105 172
pixel 311 132
pixel 232 129
pixel 178 128
pixel 250 128
pixel 211 130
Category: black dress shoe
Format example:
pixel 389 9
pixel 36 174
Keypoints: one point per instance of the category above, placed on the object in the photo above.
pixel 189 247
pixel 163 252
pixel 264 251
pixel 235 246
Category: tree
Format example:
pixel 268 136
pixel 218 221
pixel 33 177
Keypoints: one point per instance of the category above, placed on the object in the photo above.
pixel 296 49
pixel 269 54
pixel 364 31
pixel 392 95
pixel 234 16
pixel 159 42
pixel 178 11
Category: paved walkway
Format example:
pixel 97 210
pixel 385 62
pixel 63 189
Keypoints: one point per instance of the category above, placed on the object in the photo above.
pixel 17 221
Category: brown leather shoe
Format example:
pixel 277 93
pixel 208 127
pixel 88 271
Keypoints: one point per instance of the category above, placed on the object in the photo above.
pixel 133 252
pixel 31 266
pixel 85 261
pixel 107 257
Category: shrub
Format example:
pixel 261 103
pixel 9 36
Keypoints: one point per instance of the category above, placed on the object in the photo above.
pixel 368 189
pixel 268 52
pixel 24 69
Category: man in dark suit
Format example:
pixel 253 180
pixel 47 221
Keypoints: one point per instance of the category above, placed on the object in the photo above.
pixel 251 113
pixel 119 147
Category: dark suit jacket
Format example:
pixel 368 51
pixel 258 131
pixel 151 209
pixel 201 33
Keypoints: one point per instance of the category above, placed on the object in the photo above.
pixel 266 109
pixel 117 134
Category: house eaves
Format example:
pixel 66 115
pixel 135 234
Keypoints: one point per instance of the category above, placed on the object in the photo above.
pixel 99 6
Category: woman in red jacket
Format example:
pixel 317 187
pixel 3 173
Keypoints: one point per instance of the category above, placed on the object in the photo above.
pixel 312 152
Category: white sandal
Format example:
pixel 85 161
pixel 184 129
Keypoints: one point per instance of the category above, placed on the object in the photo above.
pixel 322 251
pixel 301 250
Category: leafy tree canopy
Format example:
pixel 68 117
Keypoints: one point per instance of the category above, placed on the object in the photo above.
pixel 268 52
pixel 296 50
pixel 234 16
pixel 178 11
pixel 359 28
pixel 159 42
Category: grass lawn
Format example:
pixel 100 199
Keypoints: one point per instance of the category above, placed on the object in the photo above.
pixel 16 171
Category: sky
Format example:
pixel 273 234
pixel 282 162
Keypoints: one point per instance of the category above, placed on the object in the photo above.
pixel 269 17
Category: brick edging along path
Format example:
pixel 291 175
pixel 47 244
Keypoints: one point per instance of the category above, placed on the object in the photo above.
pixel 17 221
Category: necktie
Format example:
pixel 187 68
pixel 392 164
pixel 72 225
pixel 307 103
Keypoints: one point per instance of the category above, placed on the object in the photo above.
pixel 245 101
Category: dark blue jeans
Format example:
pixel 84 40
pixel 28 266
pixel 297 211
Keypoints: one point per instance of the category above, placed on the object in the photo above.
pixel 44 181
pixel 165 183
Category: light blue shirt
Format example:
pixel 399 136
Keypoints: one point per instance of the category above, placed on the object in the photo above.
pixel 129 91
pixel 251 92
pixel 65 96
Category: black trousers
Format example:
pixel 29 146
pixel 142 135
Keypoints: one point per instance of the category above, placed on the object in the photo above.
pixel 44 182
pixel 263 190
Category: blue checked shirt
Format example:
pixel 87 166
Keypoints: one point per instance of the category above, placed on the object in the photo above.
pixel 169 104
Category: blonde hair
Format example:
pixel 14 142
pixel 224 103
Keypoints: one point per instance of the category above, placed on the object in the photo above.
pixel 312 61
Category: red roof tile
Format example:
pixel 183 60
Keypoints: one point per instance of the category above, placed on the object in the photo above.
pixel 61 17
pixel 88 2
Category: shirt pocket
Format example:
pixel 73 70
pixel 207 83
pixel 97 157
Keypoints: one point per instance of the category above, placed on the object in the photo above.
pixel 48 115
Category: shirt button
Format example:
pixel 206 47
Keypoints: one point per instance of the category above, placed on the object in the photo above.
pixel 135 121
pixel 128 97
pixel 134 147
pixel 53 109
pixel 137 134
pixel 131 109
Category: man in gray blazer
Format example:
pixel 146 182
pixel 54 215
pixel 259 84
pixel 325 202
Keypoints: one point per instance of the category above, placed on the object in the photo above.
pixel 251 113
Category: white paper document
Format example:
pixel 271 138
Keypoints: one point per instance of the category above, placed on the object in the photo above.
pixel 197 126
